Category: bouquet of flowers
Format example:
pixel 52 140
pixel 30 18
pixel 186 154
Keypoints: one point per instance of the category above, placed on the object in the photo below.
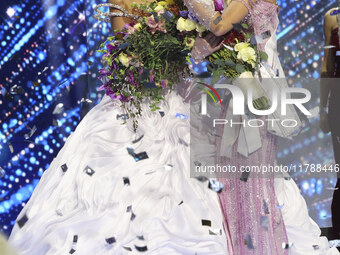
pixel 147 57
pixel 239 58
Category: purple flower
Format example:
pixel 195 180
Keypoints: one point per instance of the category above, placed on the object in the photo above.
pixel 218 5
pixel 184 14
pixel 192 17
pixel 103 73
pixel 110 47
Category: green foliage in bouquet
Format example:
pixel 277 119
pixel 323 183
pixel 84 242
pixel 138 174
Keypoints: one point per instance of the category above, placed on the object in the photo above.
pixel 145 59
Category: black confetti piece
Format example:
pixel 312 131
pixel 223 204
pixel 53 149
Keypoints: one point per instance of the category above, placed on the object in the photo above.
pixel 286 246
pixel 245 175
pixel 133 216
pixel 88 170
pixel 31 132
pixel 110 240
pixel 316 247
pixel 161 113
pixel 138 139
pixel 215 186
pixel 127 248
pixel 141 248
pixel 122 116
pixel 75 239
pixel 206 223
pixel 141 238
pixel 141 156
pixel 197 163
pixel 129 208
pixel 264 222
pixel 64 167
pixel 22 221
pixel 72 251
pixel 55 123
pixel 249 242
pixel 181 141
pixel 2 172
pixel 16 90
pixel 8 96
pixel 265 207
pixel 126 181
pixel 201 178
pixel 181 202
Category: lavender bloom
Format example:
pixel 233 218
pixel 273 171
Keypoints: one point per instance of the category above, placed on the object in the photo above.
pixel 192 17
pixel 184 14
pixel 218 5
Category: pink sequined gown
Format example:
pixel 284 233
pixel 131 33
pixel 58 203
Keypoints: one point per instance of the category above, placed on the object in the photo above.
pixel 253 220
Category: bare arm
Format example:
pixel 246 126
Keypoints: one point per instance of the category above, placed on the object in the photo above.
pixel 119 22
pixel 214 21
pixel 328 63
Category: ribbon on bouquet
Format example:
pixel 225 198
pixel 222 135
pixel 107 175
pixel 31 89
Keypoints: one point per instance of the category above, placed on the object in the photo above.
pixel 248 138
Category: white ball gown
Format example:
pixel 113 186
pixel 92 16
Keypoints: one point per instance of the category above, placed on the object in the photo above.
pixel 96 198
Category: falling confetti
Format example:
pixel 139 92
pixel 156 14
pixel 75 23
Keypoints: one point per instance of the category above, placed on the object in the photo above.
pixel 168 167
pixel 264 221
pixel 206 223
pixel 215 186
pixel 286 246
pixel 2 172
pixel 141 248
pixel 249 242
pixel 181 116
pixel 110 240
pixel 88 170
pixel 181 141
pixel 245 175
pixel 122 116
pixel 31 132
pixel 10 146
pixel 138 139
pixel 64 167
pixel 22 221
pixel 59 108
pixel 126 181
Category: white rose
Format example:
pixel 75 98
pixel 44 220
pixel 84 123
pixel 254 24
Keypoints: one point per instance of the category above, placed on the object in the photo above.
pixel 124 59
pixel 246 74
pixel 138 26
pixel 241 46
pixel 245 82
pixel 247 55
pixel 181 24
pixel 159 8
pixel 189 25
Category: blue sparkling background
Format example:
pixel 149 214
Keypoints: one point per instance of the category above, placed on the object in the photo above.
pixel 48 48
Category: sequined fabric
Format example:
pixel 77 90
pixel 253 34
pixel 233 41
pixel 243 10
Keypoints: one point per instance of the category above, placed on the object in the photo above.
pixel 250 207
pixel 203 10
